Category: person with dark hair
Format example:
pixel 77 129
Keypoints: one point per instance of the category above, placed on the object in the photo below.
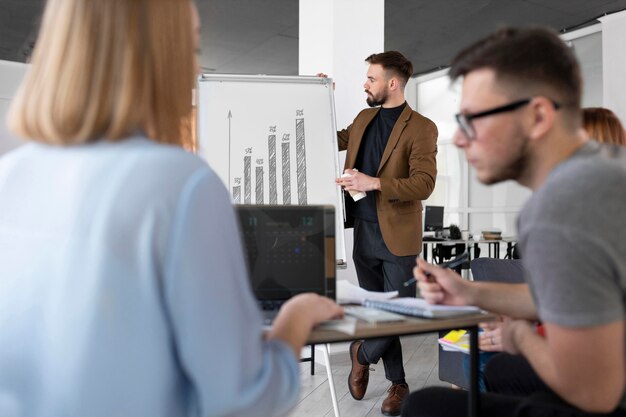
pixel 391 155
pixel 603 125
pixel 520 119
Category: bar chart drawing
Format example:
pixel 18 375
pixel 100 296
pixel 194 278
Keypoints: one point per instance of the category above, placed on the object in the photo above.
pixel 300 159
pixel 247 179
pixel 271 160
pixel 286 173
pixel 272 140
pixel 257 161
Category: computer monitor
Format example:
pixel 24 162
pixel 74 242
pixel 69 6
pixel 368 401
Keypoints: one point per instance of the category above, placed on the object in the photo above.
pixel 433 219
pixel 289 249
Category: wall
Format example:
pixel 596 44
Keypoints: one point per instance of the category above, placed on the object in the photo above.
pixel 329 45
pixel 613 63
pixel 11 74
pixel 468 203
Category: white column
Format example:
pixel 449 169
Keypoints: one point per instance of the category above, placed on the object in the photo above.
pixel 614 63
pixel 335 38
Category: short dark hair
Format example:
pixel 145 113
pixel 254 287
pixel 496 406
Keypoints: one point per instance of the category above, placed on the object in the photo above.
pixel 394 62
pixel 526 61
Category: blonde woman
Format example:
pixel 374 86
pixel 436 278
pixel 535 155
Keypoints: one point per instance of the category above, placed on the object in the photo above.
pixel 123 287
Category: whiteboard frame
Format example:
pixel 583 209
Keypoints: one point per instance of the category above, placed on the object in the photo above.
pixel 233 78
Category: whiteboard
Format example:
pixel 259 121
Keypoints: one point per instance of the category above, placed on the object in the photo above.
pixel 272 140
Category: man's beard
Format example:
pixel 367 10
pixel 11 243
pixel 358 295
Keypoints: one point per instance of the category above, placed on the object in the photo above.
pixel 374 101
pixel 518 165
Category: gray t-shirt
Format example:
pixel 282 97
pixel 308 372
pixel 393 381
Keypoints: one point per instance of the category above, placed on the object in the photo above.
pixel 573 239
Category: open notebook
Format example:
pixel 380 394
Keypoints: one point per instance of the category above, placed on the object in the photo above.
pixel 418 307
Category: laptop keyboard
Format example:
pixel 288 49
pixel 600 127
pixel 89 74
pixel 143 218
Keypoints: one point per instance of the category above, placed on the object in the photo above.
pixel 269 305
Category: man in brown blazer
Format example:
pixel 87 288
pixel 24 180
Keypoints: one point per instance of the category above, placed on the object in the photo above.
pixel 391 155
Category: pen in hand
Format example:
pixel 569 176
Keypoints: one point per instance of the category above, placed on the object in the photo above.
pixel 453 263
pixel 412 280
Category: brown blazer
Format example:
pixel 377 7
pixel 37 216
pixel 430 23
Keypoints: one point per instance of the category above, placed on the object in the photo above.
pixel 407 173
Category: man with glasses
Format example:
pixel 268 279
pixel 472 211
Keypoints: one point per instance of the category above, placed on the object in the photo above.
pixel 520 119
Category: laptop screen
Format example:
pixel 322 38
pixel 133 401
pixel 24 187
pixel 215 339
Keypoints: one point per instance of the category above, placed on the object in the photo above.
pixel 289 249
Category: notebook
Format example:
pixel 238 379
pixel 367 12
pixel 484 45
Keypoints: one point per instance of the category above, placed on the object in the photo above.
pixel 289 250
pixel 418 307
pixel 372 315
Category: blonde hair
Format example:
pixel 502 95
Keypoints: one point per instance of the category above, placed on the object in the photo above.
pixel 106 69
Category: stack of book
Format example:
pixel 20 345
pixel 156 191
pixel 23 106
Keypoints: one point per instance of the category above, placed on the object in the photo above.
pixel 455 341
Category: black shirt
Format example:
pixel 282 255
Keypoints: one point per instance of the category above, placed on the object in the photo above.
pixel 370 153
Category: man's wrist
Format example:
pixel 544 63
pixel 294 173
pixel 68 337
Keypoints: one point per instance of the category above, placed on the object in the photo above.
pixel 472 294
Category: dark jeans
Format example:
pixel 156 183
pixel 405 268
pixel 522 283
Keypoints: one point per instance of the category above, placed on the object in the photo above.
pixel 483 358
pixel 379 270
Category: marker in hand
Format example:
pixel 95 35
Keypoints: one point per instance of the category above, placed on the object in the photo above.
pixel 453 263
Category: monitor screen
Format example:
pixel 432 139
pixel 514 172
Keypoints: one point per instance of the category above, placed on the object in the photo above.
pixel 289 249
pixel 433 218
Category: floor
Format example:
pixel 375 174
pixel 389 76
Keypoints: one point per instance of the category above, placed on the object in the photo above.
pixel 421 368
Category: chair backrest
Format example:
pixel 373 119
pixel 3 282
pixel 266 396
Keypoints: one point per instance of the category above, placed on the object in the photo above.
pixel 499 270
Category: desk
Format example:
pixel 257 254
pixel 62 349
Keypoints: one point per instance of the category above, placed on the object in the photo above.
pixel 510 241
pixel 493 245
pixel 432 243
pixel 411 326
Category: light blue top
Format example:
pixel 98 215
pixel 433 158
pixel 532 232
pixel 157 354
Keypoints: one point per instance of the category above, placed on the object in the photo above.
pixel 124 292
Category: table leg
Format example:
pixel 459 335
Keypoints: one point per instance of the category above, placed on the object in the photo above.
pixel 473 395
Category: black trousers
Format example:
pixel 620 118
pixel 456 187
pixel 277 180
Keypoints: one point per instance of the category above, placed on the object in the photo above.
pixel 379 270
pixel 448 402
pixel 514 390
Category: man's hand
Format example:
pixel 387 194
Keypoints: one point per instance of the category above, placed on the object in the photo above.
pixel 322 75
pixel 358 181
pixel 441 286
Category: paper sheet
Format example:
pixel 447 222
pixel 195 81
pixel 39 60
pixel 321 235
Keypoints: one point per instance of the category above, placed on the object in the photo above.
pixel 348 293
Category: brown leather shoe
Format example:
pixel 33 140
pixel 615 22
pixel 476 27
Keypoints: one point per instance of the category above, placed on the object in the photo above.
pixel 359 374
pixel 392 406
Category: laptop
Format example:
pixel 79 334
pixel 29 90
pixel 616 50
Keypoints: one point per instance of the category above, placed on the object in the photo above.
pixel 289 250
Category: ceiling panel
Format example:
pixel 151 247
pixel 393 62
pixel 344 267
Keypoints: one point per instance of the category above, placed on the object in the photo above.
pixel 251 36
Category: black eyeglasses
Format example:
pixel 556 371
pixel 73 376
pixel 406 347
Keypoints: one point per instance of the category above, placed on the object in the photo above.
pixel 465 120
